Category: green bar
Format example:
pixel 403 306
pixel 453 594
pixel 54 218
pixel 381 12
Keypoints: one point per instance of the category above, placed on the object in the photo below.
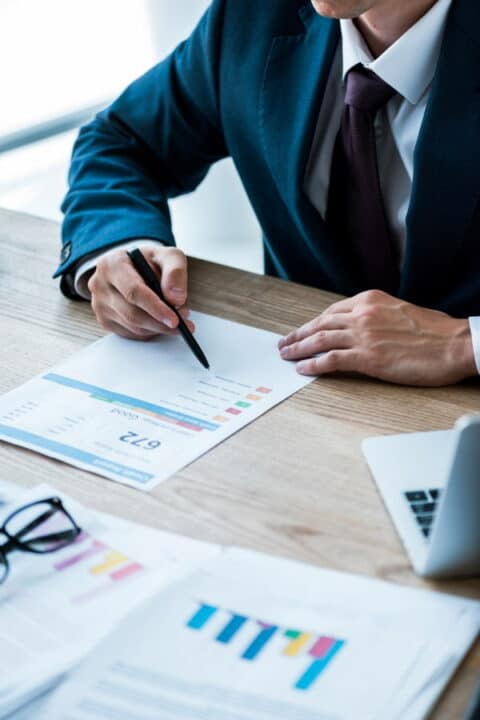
pixel 293 634
pixel 243 404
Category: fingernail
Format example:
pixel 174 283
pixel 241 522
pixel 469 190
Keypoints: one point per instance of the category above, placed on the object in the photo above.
pixel 301 367
pixel 170 323
pixel 284 351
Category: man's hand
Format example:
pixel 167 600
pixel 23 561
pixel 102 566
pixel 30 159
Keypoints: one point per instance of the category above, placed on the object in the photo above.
pixel 123 304
pixel 378 335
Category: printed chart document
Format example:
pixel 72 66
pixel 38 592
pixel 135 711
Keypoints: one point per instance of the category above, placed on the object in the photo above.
pixel 54 608
pixel 139 412
pixel 250 637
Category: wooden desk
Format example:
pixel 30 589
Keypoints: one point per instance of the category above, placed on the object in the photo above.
pixel 294 483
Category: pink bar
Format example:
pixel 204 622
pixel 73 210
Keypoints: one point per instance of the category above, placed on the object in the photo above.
pixel 96 547
pixel 234 411
pixel 126 571
pixel 188 426
pixel 321 647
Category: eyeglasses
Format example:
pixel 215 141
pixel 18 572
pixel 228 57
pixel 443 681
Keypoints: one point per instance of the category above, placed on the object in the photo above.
pixel 41 527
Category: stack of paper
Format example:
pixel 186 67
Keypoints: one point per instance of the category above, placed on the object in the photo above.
pixel 54 608
pixel 251 637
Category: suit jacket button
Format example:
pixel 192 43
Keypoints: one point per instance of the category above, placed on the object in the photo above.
pixel 66 252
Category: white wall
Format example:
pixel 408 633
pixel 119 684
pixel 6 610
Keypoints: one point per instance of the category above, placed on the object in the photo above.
pixel 62 54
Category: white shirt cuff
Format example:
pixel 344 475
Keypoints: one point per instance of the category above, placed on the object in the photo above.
pixel 475 330
pixel 83 272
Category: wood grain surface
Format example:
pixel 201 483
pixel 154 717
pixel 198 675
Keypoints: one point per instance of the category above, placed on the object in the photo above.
pixel 294 483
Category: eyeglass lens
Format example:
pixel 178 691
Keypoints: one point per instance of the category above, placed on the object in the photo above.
pixel 41 527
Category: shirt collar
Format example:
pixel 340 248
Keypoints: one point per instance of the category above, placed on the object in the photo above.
pixel 409 64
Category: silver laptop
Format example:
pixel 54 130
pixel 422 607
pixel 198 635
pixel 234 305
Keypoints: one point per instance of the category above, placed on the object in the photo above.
pixel 430 484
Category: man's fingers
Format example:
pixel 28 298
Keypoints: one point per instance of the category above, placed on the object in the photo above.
pixel 319 342
pixel 135 322
pixel 321 323
pixel 134 291
pixel 118 329
pixel 331 362
pixel 173 275
pixel 342 306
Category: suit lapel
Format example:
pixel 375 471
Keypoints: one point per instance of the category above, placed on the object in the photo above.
pixel 295 77
pixel 446 184
pixel 295 80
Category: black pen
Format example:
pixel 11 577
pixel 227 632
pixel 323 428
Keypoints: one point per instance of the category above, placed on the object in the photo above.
pixel 150 279
pixel 473 712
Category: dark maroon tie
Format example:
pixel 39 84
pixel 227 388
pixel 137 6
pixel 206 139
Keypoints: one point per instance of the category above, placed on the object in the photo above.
pixel 356 213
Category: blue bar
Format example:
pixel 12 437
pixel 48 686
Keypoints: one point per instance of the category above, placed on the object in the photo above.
pixel 231 629
pixel 132 402
pixel 317 667
pixel 256 647
pixel 67 451
pixel 201 617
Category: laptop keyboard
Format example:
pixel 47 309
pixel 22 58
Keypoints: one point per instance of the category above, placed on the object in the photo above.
pixel 423 504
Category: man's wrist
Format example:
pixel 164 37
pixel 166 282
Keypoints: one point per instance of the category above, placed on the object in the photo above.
pixel 474 323
pixel 462 349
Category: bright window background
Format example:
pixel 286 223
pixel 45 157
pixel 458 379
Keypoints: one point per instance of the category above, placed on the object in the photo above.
pixel 59 56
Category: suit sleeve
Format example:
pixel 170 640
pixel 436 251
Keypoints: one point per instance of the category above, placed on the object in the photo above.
pixel 156 141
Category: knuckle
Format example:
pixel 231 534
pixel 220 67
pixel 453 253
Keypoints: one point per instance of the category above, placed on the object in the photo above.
pixel 92 284
pixel 103 266
pixel 133 293
pixel 334 360
pixel 319 339
pixel 365 316
pixel 372 296
pixel 177 253
pixel 131 318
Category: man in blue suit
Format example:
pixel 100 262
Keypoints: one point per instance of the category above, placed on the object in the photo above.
pixel 355 128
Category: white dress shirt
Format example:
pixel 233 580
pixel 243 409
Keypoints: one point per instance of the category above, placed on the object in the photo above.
pixel 408 66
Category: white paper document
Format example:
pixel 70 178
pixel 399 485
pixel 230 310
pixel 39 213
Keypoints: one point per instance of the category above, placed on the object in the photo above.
pixel 138 412
pixel 54 608
pixel 250 637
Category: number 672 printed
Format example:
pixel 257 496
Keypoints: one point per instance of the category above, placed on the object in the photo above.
pixel 133 438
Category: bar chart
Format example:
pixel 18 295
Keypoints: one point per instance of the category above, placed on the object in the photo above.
pixel 319 650
pixel 101 566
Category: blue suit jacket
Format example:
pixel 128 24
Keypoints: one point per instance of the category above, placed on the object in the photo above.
pixel 249 83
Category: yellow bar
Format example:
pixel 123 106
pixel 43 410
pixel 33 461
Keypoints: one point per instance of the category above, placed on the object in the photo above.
pixel 112 560
pixel 297 645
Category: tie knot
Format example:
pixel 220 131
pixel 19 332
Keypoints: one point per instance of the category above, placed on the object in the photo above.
pixel 366 91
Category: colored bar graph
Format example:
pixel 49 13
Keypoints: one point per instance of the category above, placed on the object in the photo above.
pixel 112 560
pixel 102 394
pixel 253 397
pixel 231 629
pixel 262 639
pixel 314 671
pixel 243 404
pixel 322 646
pixel 297 643
pixel 126 571
pixel 69 562
pixel 264 390
pixel 234 411
pixel 201 617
